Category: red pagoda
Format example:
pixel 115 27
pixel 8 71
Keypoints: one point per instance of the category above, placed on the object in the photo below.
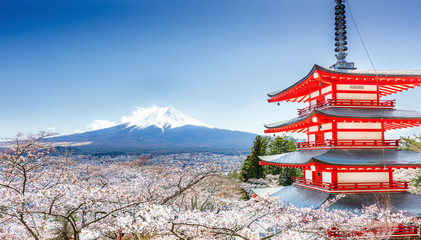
pixel 345 122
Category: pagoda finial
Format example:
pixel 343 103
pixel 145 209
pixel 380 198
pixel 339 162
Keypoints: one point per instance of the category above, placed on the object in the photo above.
pixel 340 37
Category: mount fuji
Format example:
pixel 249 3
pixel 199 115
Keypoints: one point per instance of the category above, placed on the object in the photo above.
pixel 161 117
pixel 158 129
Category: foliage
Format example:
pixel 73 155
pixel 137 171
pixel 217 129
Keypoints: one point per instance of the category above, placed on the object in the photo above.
pixel 234 174
pixel 268 145
pixel 282 144
pixel 410 175
pixel 55 198
pixel 251 167
pixel 413 176
pixel 278 145
pixel 45 198
pixel 411 143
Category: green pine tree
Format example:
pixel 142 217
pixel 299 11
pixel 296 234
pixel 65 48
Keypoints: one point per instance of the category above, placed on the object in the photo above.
pixel 278 145
pixel 282 144
pixel 251 167
pixel 411 143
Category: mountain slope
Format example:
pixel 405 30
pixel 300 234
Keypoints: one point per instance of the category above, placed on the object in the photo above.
pixel 161 130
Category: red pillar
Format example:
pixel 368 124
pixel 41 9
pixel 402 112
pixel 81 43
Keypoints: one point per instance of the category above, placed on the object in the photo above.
pixel 334 177
pixel 391 175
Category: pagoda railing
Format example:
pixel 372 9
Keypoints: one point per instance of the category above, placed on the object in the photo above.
pixel 348 103
pixel 345 143
pixel 392 231
pixel 395 185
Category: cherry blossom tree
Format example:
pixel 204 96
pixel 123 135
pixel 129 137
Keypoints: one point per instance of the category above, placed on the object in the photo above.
pixel 45 196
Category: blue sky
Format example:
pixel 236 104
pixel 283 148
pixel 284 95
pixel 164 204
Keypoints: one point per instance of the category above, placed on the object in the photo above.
pixel 65 64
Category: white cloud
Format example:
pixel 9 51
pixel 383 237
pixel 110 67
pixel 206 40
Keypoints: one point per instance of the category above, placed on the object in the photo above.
pixel 100 124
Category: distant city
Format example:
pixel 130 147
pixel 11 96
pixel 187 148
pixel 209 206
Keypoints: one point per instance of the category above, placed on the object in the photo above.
pixel 183 160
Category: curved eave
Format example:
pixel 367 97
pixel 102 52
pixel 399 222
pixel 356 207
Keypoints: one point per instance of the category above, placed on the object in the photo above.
pixel 290 122
pixel 276 93
pixel 394 119
pixel 325 164
pixel 355 158
pixel 375 114
pixel 370 73
pixel 386 87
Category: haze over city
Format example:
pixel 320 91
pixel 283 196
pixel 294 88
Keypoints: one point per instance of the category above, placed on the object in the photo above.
pixel 71 66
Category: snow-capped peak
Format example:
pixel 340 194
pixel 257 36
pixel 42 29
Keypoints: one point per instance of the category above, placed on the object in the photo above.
pixel 162 117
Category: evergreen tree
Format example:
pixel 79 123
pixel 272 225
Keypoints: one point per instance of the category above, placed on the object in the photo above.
pixel 282 144
pixel 411 143
pixel 251 167
pixel 278 145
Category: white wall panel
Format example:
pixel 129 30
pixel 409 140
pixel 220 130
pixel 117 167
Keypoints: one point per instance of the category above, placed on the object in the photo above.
pixel 326 126
pixel 355 87
pixel 329 96
pixel 309 175
pixel 359 135
pixel 327 177
pixel 313 129
pixel 311 138
pixel 357 96
pixel 358 125
pixel 328 135
pixel 351 177
pixel 326 89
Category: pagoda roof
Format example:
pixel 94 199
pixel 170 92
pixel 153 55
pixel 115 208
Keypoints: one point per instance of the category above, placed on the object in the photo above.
pixel 300 196
pixel 389 82
pixel 305 197
pixel 399 201
pixel 346 157
pixel 389 116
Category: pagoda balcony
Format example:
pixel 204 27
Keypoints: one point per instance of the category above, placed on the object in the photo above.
pixel 348 103
pixel 394 231
pixel 352 187
pixel 349 143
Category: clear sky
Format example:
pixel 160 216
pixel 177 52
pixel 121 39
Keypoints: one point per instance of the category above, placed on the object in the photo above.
pixel 65 64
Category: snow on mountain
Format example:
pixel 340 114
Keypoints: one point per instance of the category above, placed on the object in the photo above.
pixel 161 117
pixel 157 129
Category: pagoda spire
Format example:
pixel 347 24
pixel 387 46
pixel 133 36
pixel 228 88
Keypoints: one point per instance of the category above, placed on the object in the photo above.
pixel 340 37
